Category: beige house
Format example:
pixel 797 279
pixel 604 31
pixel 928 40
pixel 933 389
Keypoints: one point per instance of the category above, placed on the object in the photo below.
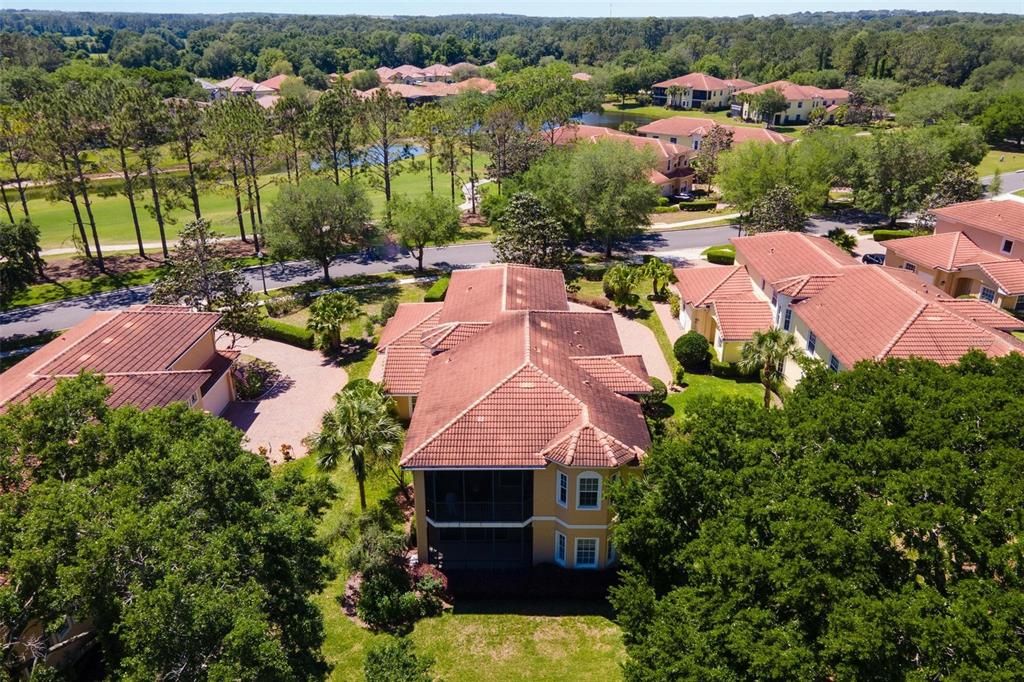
pixel 672 172
pixel 521 412
pixel 690 132
pixel 801 100
pixel 695 90
pixel 149 355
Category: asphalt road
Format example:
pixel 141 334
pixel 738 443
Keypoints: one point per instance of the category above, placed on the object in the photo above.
pixel 63 314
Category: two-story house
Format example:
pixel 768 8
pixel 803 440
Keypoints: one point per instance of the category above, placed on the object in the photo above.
pixel 977 250
pixel 695 90
pixel 521 412
pixel 690 132
pixel 801 100
pixel 672 172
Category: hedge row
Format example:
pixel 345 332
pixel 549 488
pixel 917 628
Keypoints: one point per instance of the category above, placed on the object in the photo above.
pixel 721 256
pixel 698 205
pixel 884 235
pixel 437 291
pixel 276 330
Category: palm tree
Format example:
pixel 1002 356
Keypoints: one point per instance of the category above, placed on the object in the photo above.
pixel 326 316
pixel 659 272
pixel 766 352
pixel 674 96
pixel 360 429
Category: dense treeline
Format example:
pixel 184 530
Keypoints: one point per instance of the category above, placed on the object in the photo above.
pixel 913 48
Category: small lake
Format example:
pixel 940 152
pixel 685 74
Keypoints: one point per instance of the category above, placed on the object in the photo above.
pixel 397 152
pixel 612 119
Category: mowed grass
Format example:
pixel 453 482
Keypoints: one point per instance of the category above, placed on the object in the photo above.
pixel 57 226
pixel 700 387
pixel 1006 159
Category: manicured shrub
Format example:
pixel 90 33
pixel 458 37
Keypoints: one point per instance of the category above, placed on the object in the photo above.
pixel 279 306
pixel 666 209
pixel 254 377
pixel 698 205
pixel 674 305
pixel 680 376
pixel 652 400
pixel 437 291
pixel 663 202
pixel 885 235
pixel 721 256
pixel 286 333
pixel 692 351
pixel 387 310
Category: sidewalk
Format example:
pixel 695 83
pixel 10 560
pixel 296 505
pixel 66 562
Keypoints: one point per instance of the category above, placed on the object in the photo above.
pixel 689 223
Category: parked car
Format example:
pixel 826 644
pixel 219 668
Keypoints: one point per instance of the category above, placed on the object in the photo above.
pixel 873 258
pixel 682 196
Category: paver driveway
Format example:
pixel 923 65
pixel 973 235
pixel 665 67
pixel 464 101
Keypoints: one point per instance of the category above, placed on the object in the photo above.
pixel 637 340
pixel 292 410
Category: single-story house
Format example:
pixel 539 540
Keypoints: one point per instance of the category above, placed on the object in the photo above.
pixel 149 356
pixel 690 132
pixel 521 411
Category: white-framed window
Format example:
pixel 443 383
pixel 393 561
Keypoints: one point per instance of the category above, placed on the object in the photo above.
pixel 787 319
pixel 1007 245
pixel 1018 307
pixel 719 341
pixel 588 491
pixel 560 548
pixel 987 295
pixel 833 363
pixel 562 489
pixel 799 105
pixel 812 341
pixel 586 553
pixel 696 144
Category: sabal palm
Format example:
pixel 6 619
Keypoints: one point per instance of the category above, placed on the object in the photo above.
pixel 659 272
pixel 766 353
pixel 328 313
pixel 360 429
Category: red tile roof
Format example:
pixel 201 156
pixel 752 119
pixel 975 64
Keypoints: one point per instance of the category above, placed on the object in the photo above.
pixel 794 92
pixel 781 255
pixel 437 70
pixel 663 150
pixel 512 391
pixel 984 313
pixel 1008 275
pixel 620 373
pixel 481 294
pixel 946 251
pixel 275 82
pixel 803 286
pixel 685 126
pixel 135 350
pixel 738 319
pixel 404 367
pixel 875 312
pixel 407 317
pixel 697 286
pixel 1004 217
pixel 695 81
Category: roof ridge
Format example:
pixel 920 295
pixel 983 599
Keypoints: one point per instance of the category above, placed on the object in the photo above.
pixel 463 413
pixel 901 331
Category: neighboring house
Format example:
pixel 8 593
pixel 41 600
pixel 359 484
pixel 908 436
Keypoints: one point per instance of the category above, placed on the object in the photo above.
pixel 581 76
pixel 802 100
pixel 522 411
pixel 274 83
pixel 719 303
pixel 695 90
pixel 211 89
pixel 424 92
pixel 672 172
pixel 690 132
pixel 438 73
pixel 149 356
pixel 976 251
pixel 239 85
pixel 875 313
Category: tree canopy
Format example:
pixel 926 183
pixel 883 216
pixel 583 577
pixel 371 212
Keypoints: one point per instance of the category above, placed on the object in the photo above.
pixel 868 531
pixel 149 523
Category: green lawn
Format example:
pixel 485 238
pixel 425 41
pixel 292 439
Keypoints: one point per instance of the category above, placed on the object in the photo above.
pixel 704 386
pixel 1007 159
pixel 113 217
pixel 1020 192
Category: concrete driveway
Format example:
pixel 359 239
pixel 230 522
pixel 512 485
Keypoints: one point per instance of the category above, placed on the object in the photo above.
pixel 291 410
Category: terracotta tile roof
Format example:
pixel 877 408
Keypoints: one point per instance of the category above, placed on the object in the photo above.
pixel 134 349
pixel 738 320
pixel 803 286
pixel 663 150
pixel 875 312
pixel 985 314
pixel 447 336
pixel 782 255
pixel 698 286
pixel 481 294
pixel 407 317
pixel 685 126
pixel 1004 217
pixel 275 82
pixel 794 92
pixel 1007 274
pixel 617 372
pixel 236 84
pixel 946 251
pixel 587 446
pixel 404 367
pixel 437 70
pixel 739 83
pixel 695 81
pixel 500 398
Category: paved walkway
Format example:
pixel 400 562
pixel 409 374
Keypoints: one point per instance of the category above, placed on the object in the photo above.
pixel 671 324
pixel 291 411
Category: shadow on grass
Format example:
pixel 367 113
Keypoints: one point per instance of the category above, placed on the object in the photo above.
pixel 552 608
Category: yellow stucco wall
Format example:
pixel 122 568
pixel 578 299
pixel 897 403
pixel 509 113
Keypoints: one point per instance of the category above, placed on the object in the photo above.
pixel 198 355
pixel 403 406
